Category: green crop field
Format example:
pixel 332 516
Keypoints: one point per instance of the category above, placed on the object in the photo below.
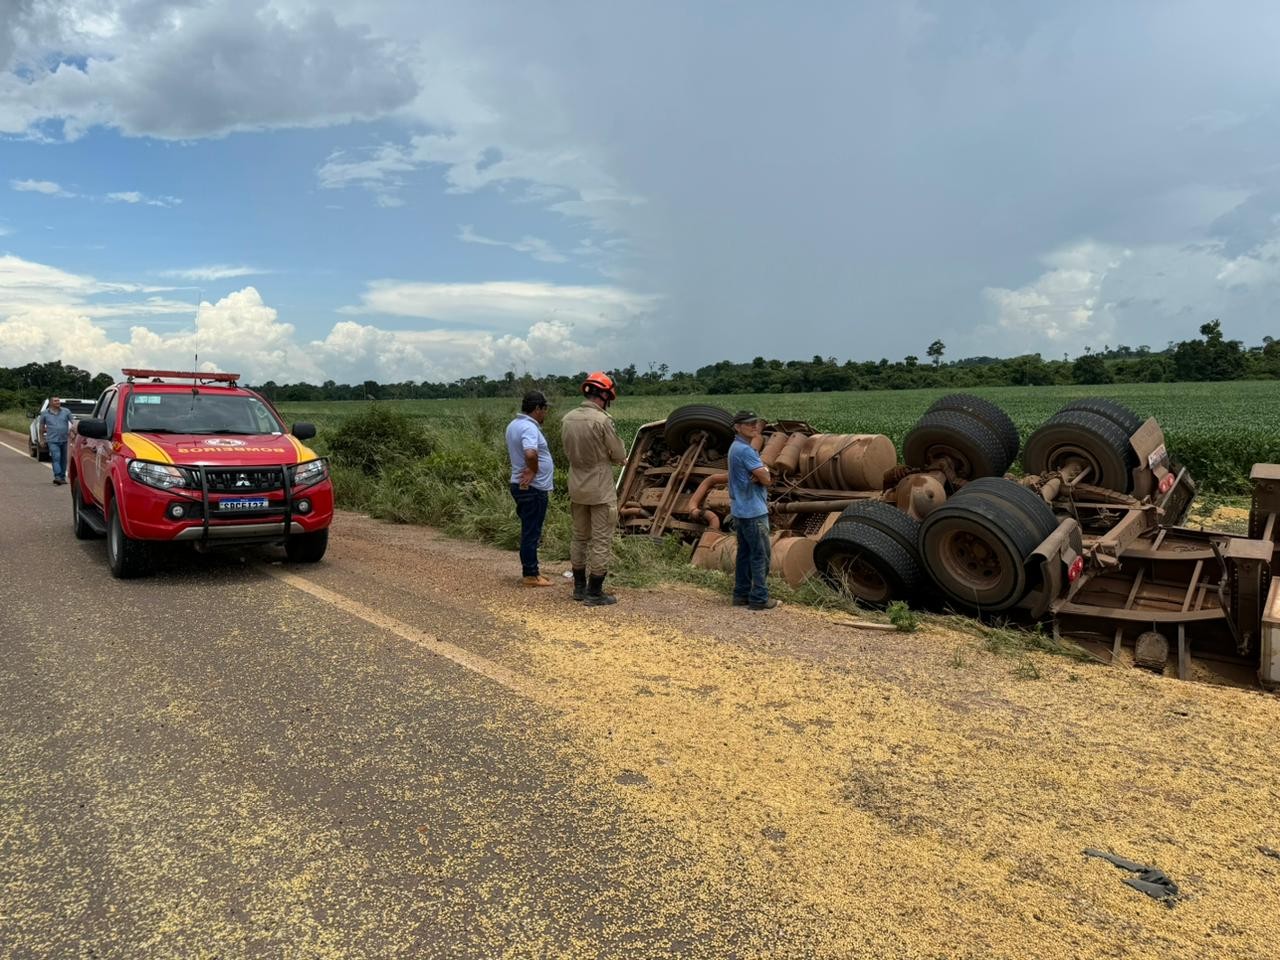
pixel 1218 430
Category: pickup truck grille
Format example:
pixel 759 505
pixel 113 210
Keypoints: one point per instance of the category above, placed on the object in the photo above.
pixel 248 480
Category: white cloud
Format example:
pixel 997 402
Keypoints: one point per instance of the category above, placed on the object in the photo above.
pixel 47 187
pixel 1062 303
pixel 1093 294
pixel 200 69
pixel 48 314
pixel 134 196
pixel 25 285
pixel 216 271
pixel 535 247
pixel 506 305
pixel 377 171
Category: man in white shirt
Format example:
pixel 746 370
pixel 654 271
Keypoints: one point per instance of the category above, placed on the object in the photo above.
pixel 531 481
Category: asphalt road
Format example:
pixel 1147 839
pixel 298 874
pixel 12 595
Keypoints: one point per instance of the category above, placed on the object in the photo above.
pixel 236 757
pixel 398 752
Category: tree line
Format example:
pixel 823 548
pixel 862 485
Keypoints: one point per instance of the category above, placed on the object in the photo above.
pixel 1210 357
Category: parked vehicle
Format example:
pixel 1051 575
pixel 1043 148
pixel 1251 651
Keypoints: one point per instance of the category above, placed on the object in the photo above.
pixel 1089 538
pixel 35 445
pixel 201 461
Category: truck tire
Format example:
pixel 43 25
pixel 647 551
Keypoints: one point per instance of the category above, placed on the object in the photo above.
pixel 1083 437
pixel 1117 413
pixel 967 442
pixel 888 520
pixel 867 564
pixel 1038 515
pixel 975 547
pixel 127 558
pixel 683 422
pixel 307 547
pixel 986 411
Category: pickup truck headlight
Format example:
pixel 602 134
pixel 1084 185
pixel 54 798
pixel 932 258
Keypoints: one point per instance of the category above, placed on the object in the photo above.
pixel 313 471
pixel 160 475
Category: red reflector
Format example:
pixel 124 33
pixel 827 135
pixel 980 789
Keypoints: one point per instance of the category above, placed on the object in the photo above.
pixel 1166 483
pixel 1076 568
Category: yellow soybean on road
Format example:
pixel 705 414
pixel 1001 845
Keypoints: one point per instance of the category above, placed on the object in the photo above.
pixel 398 752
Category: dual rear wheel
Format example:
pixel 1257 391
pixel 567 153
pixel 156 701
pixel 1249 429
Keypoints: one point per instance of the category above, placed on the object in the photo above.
pixel 974 548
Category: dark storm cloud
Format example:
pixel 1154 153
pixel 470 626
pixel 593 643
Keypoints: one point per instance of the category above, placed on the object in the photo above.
pixel 854 179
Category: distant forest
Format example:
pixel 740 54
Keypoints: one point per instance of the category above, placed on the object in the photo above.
pixel 1210 357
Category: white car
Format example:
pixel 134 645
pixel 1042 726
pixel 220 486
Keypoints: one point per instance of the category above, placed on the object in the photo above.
pixel 79 408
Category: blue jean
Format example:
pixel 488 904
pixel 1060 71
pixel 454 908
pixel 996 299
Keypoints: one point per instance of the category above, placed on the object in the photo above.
pixel 58 458
pixel 531 508
pixel 754 552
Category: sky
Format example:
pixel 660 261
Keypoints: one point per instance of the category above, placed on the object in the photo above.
pixel 416 190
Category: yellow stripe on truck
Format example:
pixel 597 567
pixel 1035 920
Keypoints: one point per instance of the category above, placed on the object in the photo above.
pixel 144 449
pixel 304 453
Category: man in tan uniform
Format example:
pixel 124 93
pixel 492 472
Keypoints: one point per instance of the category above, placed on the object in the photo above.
pixel 592 445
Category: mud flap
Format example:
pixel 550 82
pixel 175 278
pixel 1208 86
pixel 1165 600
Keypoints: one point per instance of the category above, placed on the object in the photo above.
pixel 1054 559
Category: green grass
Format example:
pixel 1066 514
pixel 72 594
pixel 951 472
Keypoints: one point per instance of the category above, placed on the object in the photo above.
pixel 15 420
pixel 1217 430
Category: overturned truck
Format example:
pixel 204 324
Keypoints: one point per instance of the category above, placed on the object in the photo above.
pixel 1090 537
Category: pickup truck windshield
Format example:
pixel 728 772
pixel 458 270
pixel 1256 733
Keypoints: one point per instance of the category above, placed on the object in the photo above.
pixel 201 412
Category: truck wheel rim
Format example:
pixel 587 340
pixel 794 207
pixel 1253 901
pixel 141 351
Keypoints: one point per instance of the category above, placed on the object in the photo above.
pixel 970 559
pixel 1071 454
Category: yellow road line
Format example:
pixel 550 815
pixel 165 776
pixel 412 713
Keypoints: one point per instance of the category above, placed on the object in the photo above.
pixel 431 643
pixel 22 453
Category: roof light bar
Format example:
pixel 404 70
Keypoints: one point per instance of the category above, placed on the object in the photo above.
pixel 204 375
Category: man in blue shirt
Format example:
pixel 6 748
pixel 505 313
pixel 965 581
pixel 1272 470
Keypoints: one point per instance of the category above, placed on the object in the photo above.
pixel 749 478
pixel 55 426
pixel 531 480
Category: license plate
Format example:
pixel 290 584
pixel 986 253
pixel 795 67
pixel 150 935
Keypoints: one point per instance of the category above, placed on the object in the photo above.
pixel 235 504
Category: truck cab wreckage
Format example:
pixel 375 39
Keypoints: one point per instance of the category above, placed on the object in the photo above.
pixel 1089 537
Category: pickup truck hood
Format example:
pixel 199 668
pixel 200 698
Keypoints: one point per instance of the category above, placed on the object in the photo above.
pixel 266 449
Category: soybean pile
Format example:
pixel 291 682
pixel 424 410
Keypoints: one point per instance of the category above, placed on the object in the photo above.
pixel 1216 430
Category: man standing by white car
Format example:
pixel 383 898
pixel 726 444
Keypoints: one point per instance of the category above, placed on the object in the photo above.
pixel 55 426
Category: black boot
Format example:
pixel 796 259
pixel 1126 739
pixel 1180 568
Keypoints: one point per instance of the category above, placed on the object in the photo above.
pixel 580 583
pixel 596 597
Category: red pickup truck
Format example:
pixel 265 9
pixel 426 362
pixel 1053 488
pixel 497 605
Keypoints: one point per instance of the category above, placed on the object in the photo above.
pixel 191 457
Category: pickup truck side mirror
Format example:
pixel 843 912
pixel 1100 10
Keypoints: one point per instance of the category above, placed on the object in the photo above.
pixel 94 429
pixel 304 431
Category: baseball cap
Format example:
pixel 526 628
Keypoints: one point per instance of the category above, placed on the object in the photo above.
pixel 746 416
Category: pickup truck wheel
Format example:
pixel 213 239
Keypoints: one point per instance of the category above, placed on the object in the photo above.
pixel 307 547
pixel 81 529
pixel 33 450
pixel 127 558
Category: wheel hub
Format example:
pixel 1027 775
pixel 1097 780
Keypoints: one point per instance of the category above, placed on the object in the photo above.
pixel 971 559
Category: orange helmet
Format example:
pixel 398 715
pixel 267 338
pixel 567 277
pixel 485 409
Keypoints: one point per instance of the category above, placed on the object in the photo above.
pixel 601 383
